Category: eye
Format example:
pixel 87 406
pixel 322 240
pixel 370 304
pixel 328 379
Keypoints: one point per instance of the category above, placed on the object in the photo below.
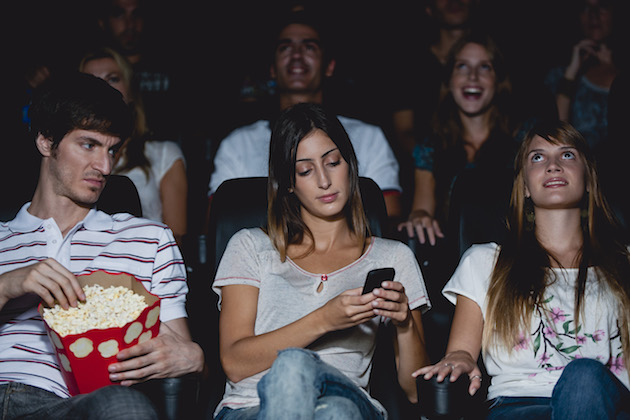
pixel 568 155
pixel 334 163
pixel 486 68
pixel 113 80
pixel 537 157
pixel 282 48
pixel 311 46
pixel 304 173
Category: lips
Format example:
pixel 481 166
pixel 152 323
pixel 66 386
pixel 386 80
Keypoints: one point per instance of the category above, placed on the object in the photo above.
pixel 555 182
pixel 328 198
pixel 472 92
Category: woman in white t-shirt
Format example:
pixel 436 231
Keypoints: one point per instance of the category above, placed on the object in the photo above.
pixel 296 334
pixel 157 168
pixel 549 307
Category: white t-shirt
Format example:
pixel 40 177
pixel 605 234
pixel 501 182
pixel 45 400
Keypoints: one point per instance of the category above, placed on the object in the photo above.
pixel 288 293
pixel 245 153
pixel 535 364
pixel 161 155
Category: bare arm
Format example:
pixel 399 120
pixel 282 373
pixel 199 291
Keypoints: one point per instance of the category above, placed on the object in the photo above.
pixel 421 220
pixel 244 354
pixel 171 354
pixel 174 196
pixel 410 353
pixel 464 346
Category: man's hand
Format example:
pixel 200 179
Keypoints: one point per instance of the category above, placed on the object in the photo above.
pixel 48 279
pixel 170 354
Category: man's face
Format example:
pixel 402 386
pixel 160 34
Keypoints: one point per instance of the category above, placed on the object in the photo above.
pixel 78 167
pixel 299 65
pixel 126 24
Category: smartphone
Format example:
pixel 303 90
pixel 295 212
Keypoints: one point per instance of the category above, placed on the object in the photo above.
pixel 376 277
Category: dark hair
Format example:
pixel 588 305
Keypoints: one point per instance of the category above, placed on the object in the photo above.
pixel 78 101
pixel 284 221
pixel 313 18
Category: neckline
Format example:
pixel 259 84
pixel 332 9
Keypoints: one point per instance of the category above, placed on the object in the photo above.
pixel 337 271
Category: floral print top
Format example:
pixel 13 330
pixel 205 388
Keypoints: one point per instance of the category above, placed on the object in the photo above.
pixel 557 335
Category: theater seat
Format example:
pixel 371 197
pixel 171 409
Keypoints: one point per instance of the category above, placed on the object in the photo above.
pixel 242 203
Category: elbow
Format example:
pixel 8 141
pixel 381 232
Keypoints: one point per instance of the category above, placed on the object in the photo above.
pixel 231 369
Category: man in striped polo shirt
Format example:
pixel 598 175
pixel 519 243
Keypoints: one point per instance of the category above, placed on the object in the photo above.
pixel 78 122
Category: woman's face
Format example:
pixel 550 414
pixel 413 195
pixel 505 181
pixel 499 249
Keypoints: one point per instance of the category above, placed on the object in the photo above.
pixel 321 177
pixel 107 69
pixel 473 81
pixel 596 20
pixel 555 175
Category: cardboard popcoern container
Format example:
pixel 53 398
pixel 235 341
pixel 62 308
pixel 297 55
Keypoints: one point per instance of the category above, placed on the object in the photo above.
pixel 84 358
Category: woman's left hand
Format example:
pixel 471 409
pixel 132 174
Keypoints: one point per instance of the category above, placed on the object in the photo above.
pixel 392 302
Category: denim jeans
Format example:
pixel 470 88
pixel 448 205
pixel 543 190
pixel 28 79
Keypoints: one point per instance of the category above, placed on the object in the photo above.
pixel 113 402
pixel 586 390
pixel 300 386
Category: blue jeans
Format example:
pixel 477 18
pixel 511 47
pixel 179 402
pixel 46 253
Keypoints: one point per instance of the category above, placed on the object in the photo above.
pixel 586 390
pixel 113 402
pixel 300 386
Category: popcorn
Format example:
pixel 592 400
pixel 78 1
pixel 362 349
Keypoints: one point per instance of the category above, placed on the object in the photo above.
pixel 119 313
pixel 103 308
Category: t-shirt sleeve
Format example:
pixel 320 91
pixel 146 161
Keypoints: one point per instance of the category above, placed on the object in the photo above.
pixel 472 276
pixel 409 274
pixel 423 155
pixel 238 264
pixel 377 160
pixel 170 153
pixel 227 161
pixel 169 278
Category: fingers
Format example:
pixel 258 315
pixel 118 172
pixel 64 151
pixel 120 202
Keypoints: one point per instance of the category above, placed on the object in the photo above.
pixel 475 383
pixel 53 282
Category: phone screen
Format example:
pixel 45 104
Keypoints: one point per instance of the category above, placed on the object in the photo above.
pixel 376 277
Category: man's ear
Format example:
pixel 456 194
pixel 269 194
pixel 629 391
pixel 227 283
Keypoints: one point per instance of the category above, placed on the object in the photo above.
pixel 44 145
pixel 330 68
pixel 272 71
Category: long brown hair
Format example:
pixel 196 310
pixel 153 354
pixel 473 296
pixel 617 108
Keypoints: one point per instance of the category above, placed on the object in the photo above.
pixel 284 220
pixel 522 271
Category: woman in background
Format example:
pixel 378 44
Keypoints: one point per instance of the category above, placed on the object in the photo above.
pixel 472 127
pixel 157 168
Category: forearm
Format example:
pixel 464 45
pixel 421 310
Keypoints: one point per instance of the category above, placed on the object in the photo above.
pixel 255 353
pixel 411 353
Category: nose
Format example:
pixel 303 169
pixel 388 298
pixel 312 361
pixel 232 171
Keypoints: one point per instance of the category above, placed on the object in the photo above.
pixel 473 73
pixel 297 49
pixel 554 166
pixel 103 162
pixel 323 180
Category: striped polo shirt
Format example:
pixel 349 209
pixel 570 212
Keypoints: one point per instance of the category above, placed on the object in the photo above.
pixel 118 243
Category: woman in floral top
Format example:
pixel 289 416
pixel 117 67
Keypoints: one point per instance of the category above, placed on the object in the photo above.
pixel 557 293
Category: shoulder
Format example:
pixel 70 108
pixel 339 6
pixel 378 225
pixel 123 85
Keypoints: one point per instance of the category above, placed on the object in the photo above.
pixel 481 254
pixel 353 125
pixel 248 131
pixel 392 248
pixel 251 237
